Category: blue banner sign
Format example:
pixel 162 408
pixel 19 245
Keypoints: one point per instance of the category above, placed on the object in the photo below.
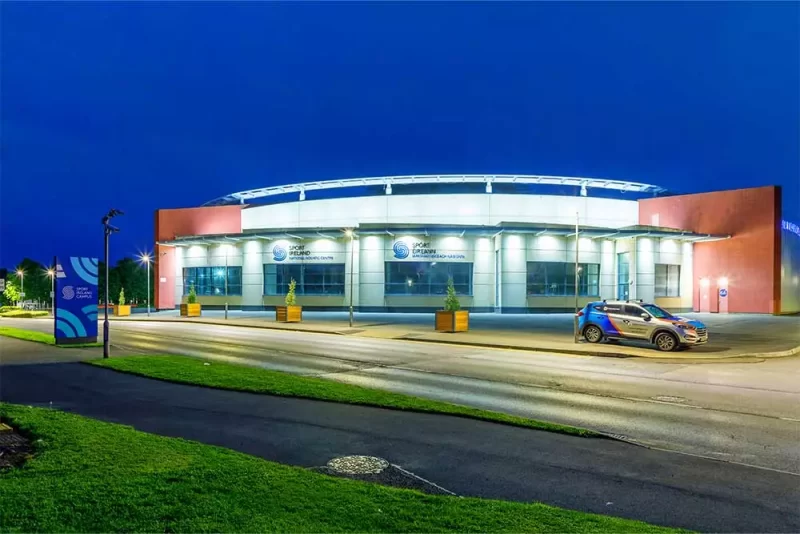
pixel 76 300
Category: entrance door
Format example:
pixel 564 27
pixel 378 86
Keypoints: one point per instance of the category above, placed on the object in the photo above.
pixel 623 275
pixel 709 302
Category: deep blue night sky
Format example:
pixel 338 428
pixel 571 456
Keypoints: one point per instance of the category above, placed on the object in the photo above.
pixel 148 105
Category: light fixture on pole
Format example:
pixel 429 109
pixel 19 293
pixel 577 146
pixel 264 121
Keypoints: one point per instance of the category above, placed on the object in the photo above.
pixel 108 229
pixel 52 274
pixel 145 258
pixel 351 235
pixel 21 276
pixel 577 242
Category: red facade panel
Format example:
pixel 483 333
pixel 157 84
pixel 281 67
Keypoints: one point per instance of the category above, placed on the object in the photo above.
pixel 174 223
pixel 750 260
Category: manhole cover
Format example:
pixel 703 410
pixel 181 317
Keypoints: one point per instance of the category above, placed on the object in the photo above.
pixel 358 465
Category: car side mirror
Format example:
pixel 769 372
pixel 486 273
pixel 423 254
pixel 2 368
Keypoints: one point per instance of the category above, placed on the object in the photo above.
pixel 646 316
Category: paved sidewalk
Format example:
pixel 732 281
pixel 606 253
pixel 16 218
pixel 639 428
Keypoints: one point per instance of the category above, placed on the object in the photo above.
pixel 731 336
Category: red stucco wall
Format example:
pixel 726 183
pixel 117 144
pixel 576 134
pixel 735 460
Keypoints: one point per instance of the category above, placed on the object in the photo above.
pixel 174 223
pixel 750 259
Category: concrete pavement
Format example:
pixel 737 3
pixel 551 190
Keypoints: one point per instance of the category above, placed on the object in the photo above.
pixel 465 456
pixel 731 336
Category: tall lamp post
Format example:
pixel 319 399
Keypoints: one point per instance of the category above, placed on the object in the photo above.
pixel 351 235
pixel 108 229
pixel 52 274
pixel 21 275
pixel 145 258
pixel 577 242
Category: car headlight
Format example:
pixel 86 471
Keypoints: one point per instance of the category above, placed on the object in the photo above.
pixel 686 326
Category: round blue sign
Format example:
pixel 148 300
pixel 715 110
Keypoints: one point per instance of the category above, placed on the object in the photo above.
pixel 723 292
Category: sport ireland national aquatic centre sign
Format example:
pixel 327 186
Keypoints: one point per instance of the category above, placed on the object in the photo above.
pixel 75 314
pixel 314 252
pixel 405 249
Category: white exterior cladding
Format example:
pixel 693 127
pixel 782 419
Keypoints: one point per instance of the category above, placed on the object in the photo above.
pixel 456 209
pixel 499 262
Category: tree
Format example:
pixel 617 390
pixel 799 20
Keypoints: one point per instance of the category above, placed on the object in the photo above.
pixel 36 280
pixel 192 298
pixel 121 300
pixel 291 299
pixel 11 293
pixel 451 302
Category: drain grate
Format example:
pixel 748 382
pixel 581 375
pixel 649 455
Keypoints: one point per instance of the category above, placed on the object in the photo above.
pixel 358 465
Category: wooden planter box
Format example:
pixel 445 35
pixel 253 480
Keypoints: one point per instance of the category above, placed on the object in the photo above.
pixel 191 310
pixel 288 314
pixel 122 310
pixel 452 321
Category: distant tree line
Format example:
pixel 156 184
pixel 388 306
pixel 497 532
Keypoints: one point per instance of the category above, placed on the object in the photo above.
pixel 127 273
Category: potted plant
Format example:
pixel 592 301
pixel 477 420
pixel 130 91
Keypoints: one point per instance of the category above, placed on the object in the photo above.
pixel 452 318
pixel 191 308
pixel 122 309
pixel 291 313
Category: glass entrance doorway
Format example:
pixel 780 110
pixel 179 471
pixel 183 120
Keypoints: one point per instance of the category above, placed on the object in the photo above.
pixel 623 275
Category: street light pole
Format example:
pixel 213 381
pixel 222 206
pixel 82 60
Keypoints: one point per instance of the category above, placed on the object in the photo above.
pixel 21 275
pixel 146 259
pixel 577 242
pixel 352 268
pixel 108 229
pixel 52 274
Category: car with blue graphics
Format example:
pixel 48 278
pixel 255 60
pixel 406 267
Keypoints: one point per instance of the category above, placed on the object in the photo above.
pixel 636 320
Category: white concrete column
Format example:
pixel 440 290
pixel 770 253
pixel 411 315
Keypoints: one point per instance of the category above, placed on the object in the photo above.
pixel 514 275
pixel 371 271
pixel 252 273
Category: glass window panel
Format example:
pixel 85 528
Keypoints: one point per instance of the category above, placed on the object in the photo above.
pixel 210 281
pixel 668 280
pixel 549 278
pixel 427 278
pixel 310 279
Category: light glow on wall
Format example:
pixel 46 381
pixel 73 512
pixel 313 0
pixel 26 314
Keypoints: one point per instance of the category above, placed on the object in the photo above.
pixel 548 242
pixel 704 282
pixel 669 246
pixel 723 281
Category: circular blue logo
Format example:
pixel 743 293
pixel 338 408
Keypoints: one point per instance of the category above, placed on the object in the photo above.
pixel 278 253
pixel 723 292
pixel 400 250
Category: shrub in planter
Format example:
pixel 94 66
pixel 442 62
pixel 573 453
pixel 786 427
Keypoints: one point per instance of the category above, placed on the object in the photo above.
pixel 291 313
pixel 452 318
pixel 121 309
pixel 191 308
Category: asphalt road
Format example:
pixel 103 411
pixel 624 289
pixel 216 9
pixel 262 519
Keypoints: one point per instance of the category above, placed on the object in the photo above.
pixel 464 456
pixel 747 413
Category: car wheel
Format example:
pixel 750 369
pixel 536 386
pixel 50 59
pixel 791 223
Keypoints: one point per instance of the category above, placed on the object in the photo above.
pixel 666 342
pixel 593 334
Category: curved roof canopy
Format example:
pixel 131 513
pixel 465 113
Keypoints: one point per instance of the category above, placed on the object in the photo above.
pixel 387 182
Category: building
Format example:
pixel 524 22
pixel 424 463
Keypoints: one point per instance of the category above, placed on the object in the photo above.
pixel 509 243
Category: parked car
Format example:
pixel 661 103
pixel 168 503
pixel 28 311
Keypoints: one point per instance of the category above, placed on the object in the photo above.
pixel 617 319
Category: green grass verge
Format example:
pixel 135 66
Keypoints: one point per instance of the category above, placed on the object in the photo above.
pixel 91 476
pixel 252 379
pixel 40 337
pixel 23 314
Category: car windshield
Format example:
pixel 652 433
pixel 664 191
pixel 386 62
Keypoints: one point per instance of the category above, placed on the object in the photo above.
pixel 655 311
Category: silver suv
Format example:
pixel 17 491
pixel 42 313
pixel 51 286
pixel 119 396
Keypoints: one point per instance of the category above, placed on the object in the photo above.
pixel 618 319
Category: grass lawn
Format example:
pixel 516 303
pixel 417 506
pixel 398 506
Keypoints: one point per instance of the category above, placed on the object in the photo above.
pixel 39 337
pixel 243 378
pixel 91 476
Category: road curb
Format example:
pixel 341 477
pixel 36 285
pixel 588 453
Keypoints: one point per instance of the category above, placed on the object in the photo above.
pixel 557 350
pixel 223 323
